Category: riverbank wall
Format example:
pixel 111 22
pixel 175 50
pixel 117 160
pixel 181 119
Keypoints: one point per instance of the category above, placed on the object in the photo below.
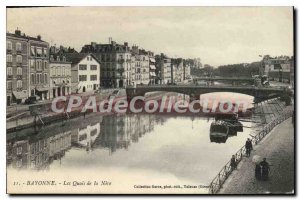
pixel 270 113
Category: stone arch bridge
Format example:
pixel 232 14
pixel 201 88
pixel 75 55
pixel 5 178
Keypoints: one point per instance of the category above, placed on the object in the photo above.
pixel 259 93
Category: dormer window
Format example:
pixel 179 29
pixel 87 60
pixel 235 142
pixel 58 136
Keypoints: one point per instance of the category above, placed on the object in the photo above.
pixel 57 58
pixel 64 58
pixel 51 57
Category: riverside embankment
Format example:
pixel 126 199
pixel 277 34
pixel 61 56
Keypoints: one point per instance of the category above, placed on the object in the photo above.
pixel 20 117
pixel 267 115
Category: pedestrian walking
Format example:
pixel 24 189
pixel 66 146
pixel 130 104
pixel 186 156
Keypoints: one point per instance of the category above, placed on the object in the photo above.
pixel 249 147
pixel 258 171
pixel 233 163
pixel 265 169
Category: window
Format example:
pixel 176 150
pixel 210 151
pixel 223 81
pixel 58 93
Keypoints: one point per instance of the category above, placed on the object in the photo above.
pixel 63 71
pixel 39 51
pixel 45 65
pixel 41 78
pixel 9 85
pixel 32 51
pixel 19 84
pixel 58 72
pixel 37 65
pixel 19 59
pixel 8 58
pixel 91 58
pixel 45 78
pixel 277 66
pixel 9 45
pixel 32 63
pixel 32 80
pixel 37 79
pixel 45 52
pixel 18 46
pixel 82 77
pixel 93 77
pixel 19 71
pixel 19 150
pixel 82 67
pixel 9 71
pixel 93 67
pixel 88 58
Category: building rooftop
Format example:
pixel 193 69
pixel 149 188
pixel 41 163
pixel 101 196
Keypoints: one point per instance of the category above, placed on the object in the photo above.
pixel 75 58
pixel 18 34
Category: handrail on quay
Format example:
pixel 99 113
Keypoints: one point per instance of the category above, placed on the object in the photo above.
pixel 222 176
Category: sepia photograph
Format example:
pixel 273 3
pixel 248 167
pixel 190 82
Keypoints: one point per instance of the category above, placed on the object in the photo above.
pixel 150 100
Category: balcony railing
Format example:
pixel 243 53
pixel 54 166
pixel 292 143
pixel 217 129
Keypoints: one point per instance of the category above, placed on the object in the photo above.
pixel 9 76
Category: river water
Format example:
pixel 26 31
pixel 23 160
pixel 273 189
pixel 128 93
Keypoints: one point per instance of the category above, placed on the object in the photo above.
pixel 130 151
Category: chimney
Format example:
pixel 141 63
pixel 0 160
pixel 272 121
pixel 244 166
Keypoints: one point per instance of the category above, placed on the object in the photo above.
pixel 125 44
pixel 18 32
pixel 39 37
pixel 109 40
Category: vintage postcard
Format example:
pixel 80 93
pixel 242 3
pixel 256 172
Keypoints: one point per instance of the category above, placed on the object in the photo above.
pixel 150 100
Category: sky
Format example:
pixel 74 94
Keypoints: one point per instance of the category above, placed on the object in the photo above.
pixel 217 35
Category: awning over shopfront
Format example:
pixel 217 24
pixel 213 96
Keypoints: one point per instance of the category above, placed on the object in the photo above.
pixel 42 89
pixel 20 95
pixel 152 74
pixel 152 67
pixel 152 60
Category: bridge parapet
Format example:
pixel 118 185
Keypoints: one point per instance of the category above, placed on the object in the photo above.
pixel 262 93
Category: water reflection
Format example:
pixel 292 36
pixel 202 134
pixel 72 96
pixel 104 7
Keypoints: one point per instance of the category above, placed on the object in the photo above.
pixel 143 144
pixel 112 132
pixel 119 132
pixel 37 152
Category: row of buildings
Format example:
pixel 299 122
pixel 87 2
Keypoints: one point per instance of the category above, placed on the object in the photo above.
pixel 36 69
pixel 279 68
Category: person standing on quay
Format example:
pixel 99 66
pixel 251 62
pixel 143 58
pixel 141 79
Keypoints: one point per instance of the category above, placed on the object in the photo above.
pixel 249 147
pixel 265 168
pixel 233 163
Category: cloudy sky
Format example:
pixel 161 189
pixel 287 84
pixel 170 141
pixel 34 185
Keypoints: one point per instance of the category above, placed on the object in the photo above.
pixel 217 35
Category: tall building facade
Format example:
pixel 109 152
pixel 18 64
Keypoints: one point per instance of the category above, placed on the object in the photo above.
pixel 163 69
pixel 141 66
pixel 85 72
pixel 115 63
pixel 38 67
pixel 152 74
pixel 178 70
pixel 60 76
pixel 16 67
pixel 278 68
